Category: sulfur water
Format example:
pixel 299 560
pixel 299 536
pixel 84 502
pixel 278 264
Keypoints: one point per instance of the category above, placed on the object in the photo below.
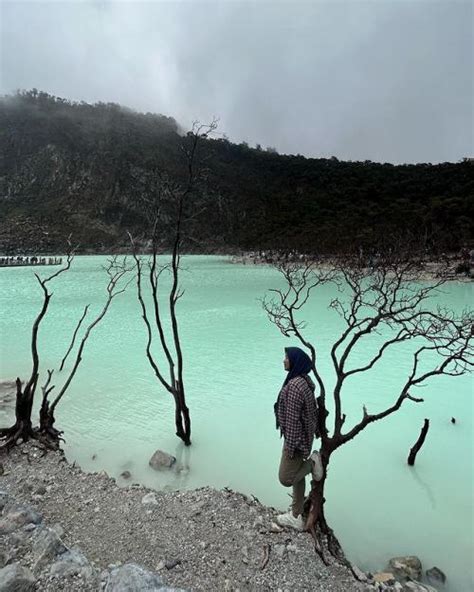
pixel 115 414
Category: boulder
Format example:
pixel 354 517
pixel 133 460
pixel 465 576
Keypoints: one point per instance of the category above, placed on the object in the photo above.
pixel 435 576
pixel 131 577
pixel 15 578
pixel 405 568
pixel 72 563
pixel 161 460
pixel 18 517
pixel 46 546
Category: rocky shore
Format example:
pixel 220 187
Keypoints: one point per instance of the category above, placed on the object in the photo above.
pixel 62 529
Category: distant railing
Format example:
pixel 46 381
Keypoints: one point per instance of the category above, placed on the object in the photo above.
pixel 20 261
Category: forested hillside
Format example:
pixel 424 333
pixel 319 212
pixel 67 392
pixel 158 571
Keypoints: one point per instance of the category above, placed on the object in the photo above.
pixel 88 170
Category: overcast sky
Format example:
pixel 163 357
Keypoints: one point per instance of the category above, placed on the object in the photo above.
pixel 380 80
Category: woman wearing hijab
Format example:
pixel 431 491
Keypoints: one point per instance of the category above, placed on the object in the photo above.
pixel 296 417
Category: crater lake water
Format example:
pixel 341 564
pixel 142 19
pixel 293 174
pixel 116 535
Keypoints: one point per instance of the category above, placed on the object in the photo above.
pixel 115 415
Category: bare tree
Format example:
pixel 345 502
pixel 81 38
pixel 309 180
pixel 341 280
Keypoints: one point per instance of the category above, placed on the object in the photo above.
pixel 23 428
pixel 179 197
pixel 387 303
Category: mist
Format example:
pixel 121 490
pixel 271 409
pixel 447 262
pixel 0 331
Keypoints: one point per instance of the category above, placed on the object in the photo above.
pixel 386 81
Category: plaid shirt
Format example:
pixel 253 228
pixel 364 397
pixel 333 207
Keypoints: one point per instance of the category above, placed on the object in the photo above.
pixel 297 415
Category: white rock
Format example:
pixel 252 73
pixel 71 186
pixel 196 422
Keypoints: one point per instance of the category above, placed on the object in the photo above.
pixel 150 498
pixel 275 528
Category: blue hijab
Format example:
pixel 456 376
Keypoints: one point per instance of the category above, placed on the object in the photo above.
pixel 300 363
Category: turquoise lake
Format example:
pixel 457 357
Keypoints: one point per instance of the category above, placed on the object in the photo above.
pixel 116 412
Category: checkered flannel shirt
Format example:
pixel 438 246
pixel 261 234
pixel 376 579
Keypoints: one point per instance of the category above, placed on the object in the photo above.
pixel 298 415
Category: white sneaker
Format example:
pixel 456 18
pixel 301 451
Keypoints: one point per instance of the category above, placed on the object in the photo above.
pixel 317 471
pixel 290 521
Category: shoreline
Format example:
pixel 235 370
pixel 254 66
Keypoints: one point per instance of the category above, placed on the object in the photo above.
pixel 87 534
pixel 214 540
pixel 433 269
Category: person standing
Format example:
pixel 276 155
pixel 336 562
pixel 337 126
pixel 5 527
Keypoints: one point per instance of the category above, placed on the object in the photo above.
pixel 297 418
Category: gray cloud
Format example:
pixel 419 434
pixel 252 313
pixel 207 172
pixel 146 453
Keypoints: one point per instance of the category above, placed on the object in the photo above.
pixel 386 81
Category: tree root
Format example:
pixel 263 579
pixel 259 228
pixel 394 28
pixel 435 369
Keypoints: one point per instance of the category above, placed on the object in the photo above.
pixel 325 541
pixel 49 437
pixel 10 436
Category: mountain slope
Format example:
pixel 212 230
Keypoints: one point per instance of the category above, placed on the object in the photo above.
pixel 87 170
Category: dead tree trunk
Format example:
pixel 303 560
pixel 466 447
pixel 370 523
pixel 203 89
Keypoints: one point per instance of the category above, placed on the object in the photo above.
pixel 182 419
pixel 22 429
pixel 153 315
pixel 419 443
pixel 46 433
pixel 316 524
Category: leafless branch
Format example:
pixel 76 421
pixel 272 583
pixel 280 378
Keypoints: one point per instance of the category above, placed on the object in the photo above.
pixel 73 340
pixel 116 271
pixel 391 300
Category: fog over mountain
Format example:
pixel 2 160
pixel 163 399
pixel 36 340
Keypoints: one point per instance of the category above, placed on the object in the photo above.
pixel 387 81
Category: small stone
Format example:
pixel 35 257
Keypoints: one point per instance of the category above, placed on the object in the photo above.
pixel 203 544
pixel 435 576
pixel 384 577
pixel 359 574
pixel 41 490
pixel 258 521
pixel 161 460
pixel 126 475
pixel 17 518
pixel 150 498
pixel 58 529
pixel 172 563
pixel 279 550
pixel 161 565
pixel 275 528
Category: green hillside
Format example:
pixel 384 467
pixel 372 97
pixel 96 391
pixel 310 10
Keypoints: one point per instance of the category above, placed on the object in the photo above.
pixel 88 170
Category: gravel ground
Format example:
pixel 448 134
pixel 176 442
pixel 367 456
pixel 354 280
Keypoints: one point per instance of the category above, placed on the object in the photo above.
pixel 197 540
